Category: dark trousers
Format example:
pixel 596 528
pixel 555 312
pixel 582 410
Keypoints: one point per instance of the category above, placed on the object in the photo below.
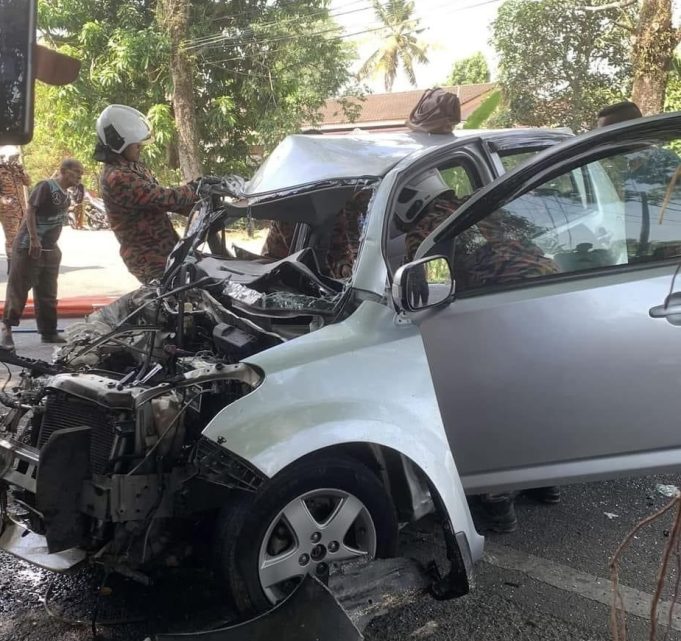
pixel 39 274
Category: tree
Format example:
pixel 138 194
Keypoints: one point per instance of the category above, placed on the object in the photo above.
pixel 652 55
pixel 252 67
pixel 471 70
pixel 400 44
pixel 560 63
pixel 654 40
pixel 174 19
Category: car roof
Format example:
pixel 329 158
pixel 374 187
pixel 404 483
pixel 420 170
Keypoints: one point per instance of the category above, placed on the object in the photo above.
pixel 302 159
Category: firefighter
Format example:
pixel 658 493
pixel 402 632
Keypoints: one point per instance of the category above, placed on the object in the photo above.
pixel 13 179
pixel 136 205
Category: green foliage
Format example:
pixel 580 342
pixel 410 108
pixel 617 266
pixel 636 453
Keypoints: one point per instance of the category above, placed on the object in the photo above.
pixel 471 70
pixel 399 45
pixel 672 100
pixel 261 69
pixel 457 180
pixel 560 63
pixel 43 156
pixel 438 272
pixel 480 116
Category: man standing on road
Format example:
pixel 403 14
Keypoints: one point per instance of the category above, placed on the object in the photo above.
pixel 36 256
pixel 13 179
pixel 136 204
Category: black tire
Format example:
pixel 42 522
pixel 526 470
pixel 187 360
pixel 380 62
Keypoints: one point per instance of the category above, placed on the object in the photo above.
pixel 243 525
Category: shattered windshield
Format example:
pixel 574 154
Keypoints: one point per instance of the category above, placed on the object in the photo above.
pixel 296 253
pixel 281 300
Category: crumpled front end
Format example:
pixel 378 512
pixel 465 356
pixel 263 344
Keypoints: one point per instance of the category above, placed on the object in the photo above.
pixel 102 451
pixel 113 470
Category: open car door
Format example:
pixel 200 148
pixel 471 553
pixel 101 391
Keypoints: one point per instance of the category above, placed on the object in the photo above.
pixel 547 364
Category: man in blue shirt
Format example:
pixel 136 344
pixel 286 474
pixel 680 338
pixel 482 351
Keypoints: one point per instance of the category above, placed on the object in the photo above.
pixel 36 256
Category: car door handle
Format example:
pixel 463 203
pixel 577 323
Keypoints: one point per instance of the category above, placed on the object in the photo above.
pixel 670 310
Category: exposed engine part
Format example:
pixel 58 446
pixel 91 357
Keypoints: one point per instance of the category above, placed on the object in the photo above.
pixel 232 342
pixel 34 366
pixel 129 453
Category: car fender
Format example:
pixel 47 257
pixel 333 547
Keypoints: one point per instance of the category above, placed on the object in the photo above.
pixel 364 380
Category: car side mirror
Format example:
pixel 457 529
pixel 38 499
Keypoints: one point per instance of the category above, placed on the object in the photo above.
pixel 423 283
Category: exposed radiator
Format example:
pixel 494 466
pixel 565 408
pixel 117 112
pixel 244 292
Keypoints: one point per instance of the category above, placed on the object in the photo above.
pixel 63 411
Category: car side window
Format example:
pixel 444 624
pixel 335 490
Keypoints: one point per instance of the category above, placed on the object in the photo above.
pixel 458 179
pixel 621 210
pixel 512 158
pixel 423 204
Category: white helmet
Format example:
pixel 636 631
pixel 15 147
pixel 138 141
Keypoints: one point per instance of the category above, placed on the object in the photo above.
pixel 418 193
pixel 119 126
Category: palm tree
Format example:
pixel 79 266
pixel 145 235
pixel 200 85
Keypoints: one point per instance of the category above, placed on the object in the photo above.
pixel 400 43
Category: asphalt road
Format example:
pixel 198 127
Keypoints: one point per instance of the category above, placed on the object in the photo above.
pixel 547 581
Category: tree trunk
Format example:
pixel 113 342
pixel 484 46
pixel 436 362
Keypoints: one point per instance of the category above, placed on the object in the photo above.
pixel 652 54
pixel 174 15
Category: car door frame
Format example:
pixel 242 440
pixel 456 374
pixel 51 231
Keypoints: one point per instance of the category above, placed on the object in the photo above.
pixel 549 164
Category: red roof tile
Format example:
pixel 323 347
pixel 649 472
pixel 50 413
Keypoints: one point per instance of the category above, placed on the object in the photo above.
pixel 393 108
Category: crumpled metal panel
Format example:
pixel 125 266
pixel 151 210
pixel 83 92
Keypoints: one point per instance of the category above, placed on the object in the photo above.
pixel 32 547
pixel 304 159
pixel 310 613
pixel 64 465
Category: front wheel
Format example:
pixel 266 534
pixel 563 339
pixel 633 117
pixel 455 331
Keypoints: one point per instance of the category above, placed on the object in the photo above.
pixel 307 519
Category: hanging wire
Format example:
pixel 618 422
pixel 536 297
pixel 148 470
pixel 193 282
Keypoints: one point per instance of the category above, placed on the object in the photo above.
pixel 241 41
pixel 193 43
pixel 8 379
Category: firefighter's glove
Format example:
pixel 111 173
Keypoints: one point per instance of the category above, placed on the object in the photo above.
pixel 202 186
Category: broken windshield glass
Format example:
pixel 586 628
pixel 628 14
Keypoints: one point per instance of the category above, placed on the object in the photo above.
pixel 281 300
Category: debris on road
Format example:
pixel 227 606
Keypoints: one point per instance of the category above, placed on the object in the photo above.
pixel 611 515
pixel 356 595
pixel 667 490
pixel 369 590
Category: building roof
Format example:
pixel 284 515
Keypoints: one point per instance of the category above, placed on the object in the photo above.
pixel 388 111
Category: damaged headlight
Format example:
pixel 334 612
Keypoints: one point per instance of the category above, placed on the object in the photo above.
pixel 218 465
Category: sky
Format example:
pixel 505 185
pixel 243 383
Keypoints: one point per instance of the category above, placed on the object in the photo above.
pixel 454 29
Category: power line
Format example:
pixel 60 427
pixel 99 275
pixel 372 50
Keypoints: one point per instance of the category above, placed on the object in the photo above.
pixel 210 41
pixel 291 38
pixel 240 14
pixel 347 35
pixel 219 37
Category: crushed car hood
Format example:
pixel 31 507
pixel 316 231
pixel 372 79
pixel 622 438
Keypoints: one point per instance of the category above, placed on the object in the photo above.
pixel 304 159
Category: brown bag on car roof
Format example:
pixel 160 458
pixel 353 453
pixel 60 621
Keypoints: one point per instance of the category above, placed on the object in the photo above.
pixel 436 112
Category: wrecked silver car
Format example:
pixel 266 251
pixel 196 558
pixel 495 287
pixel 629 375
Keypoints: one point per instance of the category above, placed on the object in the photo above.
pixel 284 411
pixel 109 451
